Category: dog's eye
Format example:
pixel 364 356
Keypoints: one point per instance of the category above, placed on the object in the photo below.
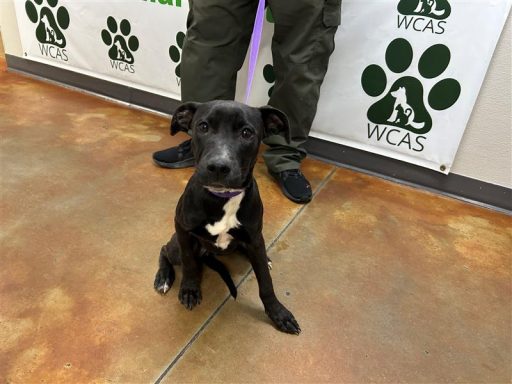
pixel 247 133
pixel 203 127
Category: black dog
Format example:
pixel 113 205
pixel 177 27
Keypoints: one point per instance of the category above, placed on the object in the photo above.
pixel 221 210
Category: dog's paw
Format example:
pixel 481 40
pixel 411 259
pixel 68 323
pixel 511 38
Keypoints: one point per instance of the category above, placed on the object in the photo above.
pixel 283 319
pixel 164 279
pixel 190 296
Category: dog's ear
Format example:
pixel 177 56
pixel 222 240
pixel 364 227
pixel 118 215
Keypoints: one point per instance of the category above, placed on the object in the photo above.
pixel 182 117
pixel 275 122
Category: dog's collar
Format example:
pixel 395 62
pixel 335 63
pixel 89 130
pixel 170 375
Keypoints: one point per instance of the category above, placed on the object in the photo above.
pixel 225 193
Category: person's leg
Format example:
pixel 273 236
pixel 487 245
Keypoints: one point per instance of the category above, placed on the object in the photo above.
pixel 216 42
pixel 218 35
pixel 302 44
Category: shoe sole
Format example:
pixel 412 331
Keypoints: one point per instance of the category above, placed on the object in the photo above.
pixel 179 164
pixel 294 199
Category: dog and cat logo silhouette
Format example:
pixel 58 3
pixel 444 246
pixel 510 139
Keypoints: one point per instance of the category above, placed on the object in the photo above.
pixel 435 9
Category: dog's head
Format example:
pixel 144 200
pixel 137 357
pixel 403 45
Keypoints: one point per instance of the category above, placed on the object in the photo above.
pixel 225 138
pixel 399 93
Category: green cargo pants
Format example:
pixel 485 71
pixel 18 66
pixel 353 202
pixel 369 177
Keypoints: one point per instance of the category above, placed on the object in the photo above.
pixel 216 43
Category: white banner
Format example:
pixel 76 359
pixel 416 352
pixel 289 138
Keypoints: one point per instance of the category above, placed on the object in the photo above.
pixel 135 43
pixel 405 76
pixel 402 81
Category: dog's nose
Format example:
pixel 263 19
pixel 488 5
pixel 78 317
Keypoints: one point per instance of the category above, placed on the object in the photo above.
pixel 218 169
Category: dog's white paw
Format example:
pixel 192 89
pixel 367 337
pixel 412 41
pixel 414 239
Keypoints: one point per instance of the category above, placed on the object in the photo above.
pixel 163 281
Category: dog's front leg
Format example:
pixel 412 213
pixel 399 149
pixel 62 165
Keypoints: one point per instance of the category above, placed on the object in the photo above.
pixel 190 289
pixel 282 317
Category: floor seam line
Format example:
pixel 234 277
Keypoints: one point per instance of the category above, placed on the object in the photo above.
pixel 304 206
pixel 203 326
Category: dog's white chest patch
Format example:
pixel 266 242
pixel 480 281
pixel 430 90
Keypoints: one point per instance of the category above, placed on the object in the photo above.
pixel 228 221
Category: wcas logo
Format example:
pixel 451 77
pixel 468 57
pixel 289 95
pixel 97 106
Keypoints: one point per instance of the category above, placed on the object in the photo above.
pixel 401 115
pixel 122 44
pixel 424 15
pixel 50 22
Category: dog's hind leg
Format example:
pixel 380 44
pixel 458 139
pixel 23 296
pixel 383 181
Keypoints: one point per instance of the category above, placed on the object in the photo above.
pixel 165 275
pixel 212 262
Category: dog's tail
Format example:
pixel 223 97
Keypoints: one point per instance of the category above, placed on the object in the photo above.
pixel 213 263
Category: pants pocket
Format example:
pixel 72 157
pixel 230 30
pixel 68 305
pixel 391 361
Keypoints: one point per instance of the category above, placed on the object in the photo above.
pixel 332 13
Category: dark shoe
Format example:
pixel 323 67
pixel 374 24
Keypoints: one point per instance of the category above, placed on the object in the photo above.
pixel 294 185
pixel 175 157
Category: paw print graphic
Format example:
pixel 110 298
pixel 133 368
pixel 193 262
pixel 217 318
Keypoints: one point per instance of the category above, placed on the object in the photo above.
pixel 121 44
pixel 268 15
pixel 175 52
pixel 270 77
pixel 268 70
pixel 403 105
pixel 49 28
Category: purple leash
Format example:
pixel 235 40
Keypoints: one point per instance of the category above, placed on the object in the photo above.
pixel 253 59
pixel 255 47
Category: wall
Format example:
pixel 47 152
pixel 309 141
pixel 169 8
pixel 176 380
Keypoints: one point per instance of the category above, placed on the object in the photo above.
pixel 9 28
pixel 485 152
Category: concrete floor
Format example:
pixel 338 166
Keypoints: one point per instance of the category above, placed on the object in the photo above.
pixel 389 283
